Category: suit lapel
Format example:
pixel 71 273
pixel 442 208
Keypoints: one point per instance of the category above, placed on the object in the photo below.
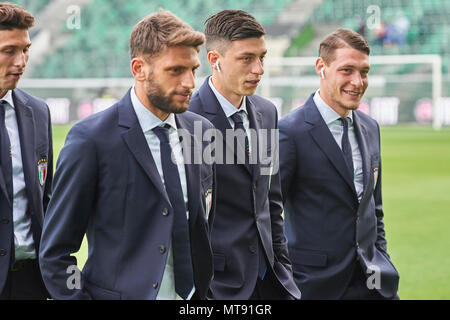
pixel 137 144
pixel 192 169
pixel 326 142
pixel 218 118
pixel 25 123
pixel 361 136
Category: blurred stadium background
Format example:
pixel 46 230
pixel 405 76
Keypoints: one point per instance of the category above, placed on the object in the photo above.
pixel 79 64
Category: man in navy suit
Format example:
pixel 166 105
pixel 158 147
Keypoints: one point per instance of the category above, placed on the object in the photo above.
pixel 331 182
pixel 125 179
pixel 26 163
pixel 250 252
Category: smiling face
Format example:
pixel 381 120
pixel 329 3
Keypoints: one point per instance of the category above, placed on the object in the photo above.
pixel 345 79
pixel 164 83
pixel 14 52
pixel 241 65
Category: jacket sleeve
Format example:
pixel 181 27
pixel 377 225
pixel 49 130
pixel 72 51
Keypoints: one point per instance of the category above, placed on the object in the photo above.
pixel 380 243
pixel 68 213
pixel 49 179
pixel 288 160
pixel 276 209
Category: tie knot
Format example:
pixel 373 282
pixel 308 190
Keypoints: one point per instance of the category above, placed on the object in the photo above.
pixel 346 122
pixel 162 132
pixel 237 117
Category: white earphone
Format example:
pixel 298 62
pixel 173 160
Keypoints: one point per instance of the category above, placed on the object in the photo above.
pixel 217 66
pixel 321 73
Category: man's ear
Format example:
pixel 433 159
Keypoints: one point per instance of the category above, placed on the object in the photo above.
pixel 320 66
pixel 213 58
pixel 137 68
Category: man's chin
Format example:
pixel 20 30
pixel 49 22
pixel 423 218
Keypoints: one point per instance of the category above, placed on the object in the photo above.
pixel 179 109
pixel 249 92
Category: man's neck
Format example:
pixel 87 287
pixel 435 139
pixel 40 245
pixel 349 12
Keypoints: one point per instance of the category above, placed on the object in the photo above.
pixel 142 96
pixel 234 99
pixel 340 111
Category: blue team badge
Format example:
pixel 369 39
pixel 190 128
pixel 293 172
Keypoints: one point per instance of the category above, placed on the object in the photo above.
pixel 42 171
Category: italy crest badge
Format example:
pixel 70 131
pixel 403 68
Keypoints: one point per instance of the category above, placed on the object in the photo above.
pixel 42 170
pixel 208 200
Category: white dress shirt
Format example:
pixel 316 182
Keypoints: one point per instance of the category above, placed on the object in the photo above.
pixel 332 119
pixel 148 121
pixel 23 236
pixel 229 109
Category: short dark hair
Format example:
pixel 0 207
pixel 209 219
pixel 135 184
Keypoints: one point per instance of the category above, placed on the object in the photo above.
pixel 13 16
pixel 160 30
pixel 231 25
pixel 339 39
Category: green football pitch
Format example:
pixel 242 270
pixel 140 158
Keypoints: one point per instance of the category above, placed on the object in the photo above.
pixel 416 202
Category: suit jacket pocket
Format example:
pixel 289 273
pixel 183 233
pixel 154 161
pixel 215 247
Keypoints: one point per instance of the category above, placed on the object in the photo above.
pixel 308 257
pixel 99 293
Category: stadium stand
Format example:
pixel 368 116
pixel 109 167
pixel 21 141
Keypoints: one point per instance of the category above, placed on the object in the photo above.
pixel 100 47
pixel 426 24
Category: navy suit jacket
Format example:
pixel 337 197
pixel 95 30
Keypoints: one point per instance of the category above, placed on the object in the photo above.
pixel 35 133
pixel 248 208
pixel 327 229
pixel 107 185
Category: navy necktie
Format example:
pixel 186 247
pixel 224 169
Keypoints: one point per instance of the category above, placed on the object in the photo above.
pixel 182 261
pixel 239 125
pixel 346 147
pixel 5 151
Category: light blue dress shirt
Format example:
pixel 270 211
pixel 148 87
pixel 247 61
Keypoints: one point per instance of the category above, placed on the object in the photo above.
pixel 23 236
pixel 148 121
pixel 229 109
pixel 332 119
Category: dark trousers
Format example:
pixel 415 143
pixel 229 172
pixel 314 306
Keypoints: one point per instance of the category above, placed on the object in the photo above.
pixel 24 282
pixel 358 289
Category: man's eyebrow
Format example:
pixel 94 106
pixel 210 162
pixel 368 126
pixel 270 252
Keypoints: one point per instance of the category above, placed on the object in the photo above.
pixel 252 53
pixel 13 46
pixel 353 66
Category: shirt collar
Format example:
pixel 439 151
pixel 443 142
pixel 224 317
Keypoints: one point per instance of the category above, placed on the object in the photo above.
pixel 8 98
pixel 226 105
pixel 327 113
pixel 146 118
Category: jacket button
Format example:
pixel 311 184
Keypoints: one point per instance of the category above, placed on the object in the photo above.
pixel 5 221
pixel 155 285
pixel 357 245
pixel 2 252
pixel 165 212
pixel 162 249
pixel 252 249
